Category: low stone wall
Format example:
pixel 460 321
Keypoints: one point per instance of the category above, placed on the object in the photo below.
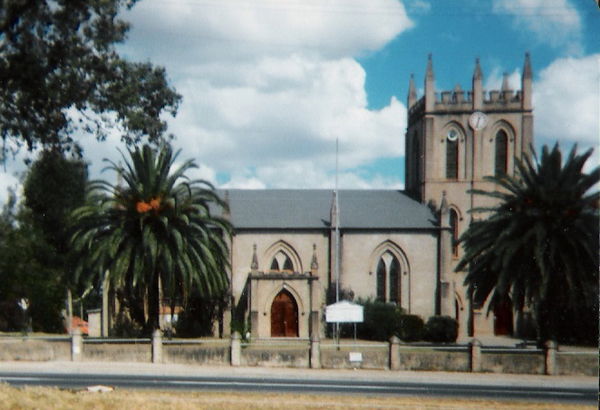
pixel 527 362
pixel 276 354
pixel 298 353
pixel 577 363
pixel 370 356
pixel 200 353
pixel 434 359
pixel 117 352
pixel 30 349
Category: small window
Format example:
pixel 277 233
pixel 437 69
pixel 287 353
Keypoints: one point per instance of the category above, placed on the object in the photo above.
pixel 395 281
pixel 501 164
pixel 454 231
pixel 388 278
pixel 287 265
pixel 381 280
pixel 452 159
pixel 282 263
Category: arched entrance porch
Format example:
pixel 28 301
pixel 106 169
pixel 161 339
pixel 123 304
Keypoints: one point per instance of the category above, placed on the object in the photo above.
pixel 284 315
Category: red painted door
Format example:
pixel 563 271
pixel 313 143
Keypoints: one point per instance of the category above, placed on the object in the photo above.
pixel 284 316
pixel 503 318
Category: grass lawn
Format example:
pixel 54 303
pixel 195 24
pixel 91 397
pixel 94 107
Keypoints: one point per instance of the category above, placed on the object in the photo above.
pixel 51 398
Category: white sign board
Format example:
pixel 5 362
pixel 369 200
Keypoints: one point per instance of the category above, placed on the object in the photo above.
pixel 355 356
pixel 344 312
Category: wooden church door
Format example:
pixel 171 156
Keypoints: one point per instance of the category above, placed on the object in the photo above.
pixel 284 315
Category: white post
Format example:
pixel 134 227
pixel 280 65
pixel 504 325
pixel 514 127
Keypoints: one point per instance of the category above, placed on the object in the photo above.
pixel 315 352
pixel 76 345
pixel 236 349
pixel 157 346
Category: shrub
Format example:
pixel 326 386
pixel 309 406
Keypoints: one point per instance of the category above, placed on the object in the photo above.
pixel 411 328
pixel 441 329
pixel 381 320
pixel 200 314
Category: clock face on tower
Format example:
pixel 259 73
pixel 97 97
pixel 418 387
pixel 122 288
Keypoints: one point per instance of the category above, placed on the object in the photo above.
pixel 478 120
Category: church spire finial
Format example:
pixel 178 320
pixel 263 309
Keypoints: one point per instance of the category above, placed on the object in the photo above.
pixel 505 85
pixel 477 86
pixel 477 74
pixel 429 72
pixel 444 203
pixel 412 91
pixel 314 264
pixel 526 84
pixel 429 86
pixel 254 264
pixel 527 73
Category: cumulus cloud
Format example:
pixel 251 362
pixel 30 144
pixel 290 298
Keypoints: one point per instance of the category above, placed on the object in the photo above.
pixel 242 29
pixel 493 81
pixel 555 22
pixel 268 86
pixel 567 100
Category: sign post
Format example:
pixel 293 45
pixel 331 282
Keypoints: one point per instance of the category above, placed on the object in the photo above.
pixel 344 312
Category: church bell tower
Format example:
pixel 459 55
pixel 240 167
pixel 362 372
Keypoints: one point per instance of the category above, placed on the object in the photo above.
pixel 454 139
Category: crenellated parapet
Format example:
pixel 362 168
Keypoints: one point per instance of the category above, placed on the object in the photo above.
pixel 459 100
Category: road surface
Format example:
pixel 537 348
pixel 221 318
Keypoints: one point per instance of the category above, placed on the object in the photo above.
pixel 566 394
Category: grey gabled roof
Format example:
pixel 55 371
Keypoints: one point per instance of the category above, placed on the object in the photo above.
pixel 311 209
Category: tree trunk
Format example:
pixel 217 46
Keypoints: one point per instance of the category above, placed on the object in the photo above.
pixel 153 306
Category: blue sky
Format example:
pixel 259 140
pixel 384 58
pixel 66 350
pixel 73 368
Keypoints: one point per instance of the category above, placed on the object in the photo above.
pixel 269 85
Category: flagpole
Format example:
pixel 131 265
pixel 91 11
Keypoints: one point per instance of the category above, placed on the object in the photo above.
pixel 337 226
pixel 337 239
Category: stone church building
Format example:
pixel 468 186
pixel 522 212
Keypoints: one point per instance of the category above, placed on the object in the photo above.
pixel 395 246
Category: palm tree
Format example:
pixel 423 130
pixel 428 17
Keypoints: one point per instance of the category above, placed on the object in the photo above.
pixel 539 244
pixel 155 233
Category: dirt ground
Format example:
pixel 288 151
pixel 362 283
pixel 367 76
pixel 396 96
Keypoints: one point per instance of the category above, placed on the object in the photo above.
pixel 52 398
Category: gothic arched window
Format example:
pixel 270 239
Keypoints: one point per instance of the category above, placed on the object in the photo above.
pixel 454 231
pixel 388 278
pixel 452 159
pixel 381 280
pixel 282 263
pixel 501 165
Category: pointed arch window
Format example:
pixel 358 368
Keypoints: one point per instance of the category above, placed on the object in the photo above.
pixel 452 159
pixel 381 279
pixel 454 231
pixel 501 165
pixel 282 263
pixel 388 278
pixel 417 159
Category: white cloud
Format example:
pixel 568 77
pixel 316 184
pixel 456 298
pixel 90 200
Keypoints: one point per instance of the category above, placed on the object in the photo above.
pixel 268 85
pixel 418 6
pixel 493 81
pixel 554 22
pixel 241 29
pixel 567 101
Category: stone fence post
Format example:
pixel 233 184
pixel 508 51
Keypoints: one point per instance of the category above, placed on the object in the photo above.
pixel 475 355
pixel 394 353
pixel 550 367
pixel 315 352
pixel 76 345
pixel 157 346
pixel 236 349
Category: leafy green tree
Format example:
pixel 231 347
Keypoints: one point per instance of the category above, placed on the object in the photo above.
pixel 60 72
pixel 539 245
pixel 54 186
pixel 23 249
pixel 156 232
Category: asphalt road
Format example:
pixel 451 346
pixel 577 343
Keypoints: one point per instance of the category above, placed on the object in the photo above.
pixel 579 395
